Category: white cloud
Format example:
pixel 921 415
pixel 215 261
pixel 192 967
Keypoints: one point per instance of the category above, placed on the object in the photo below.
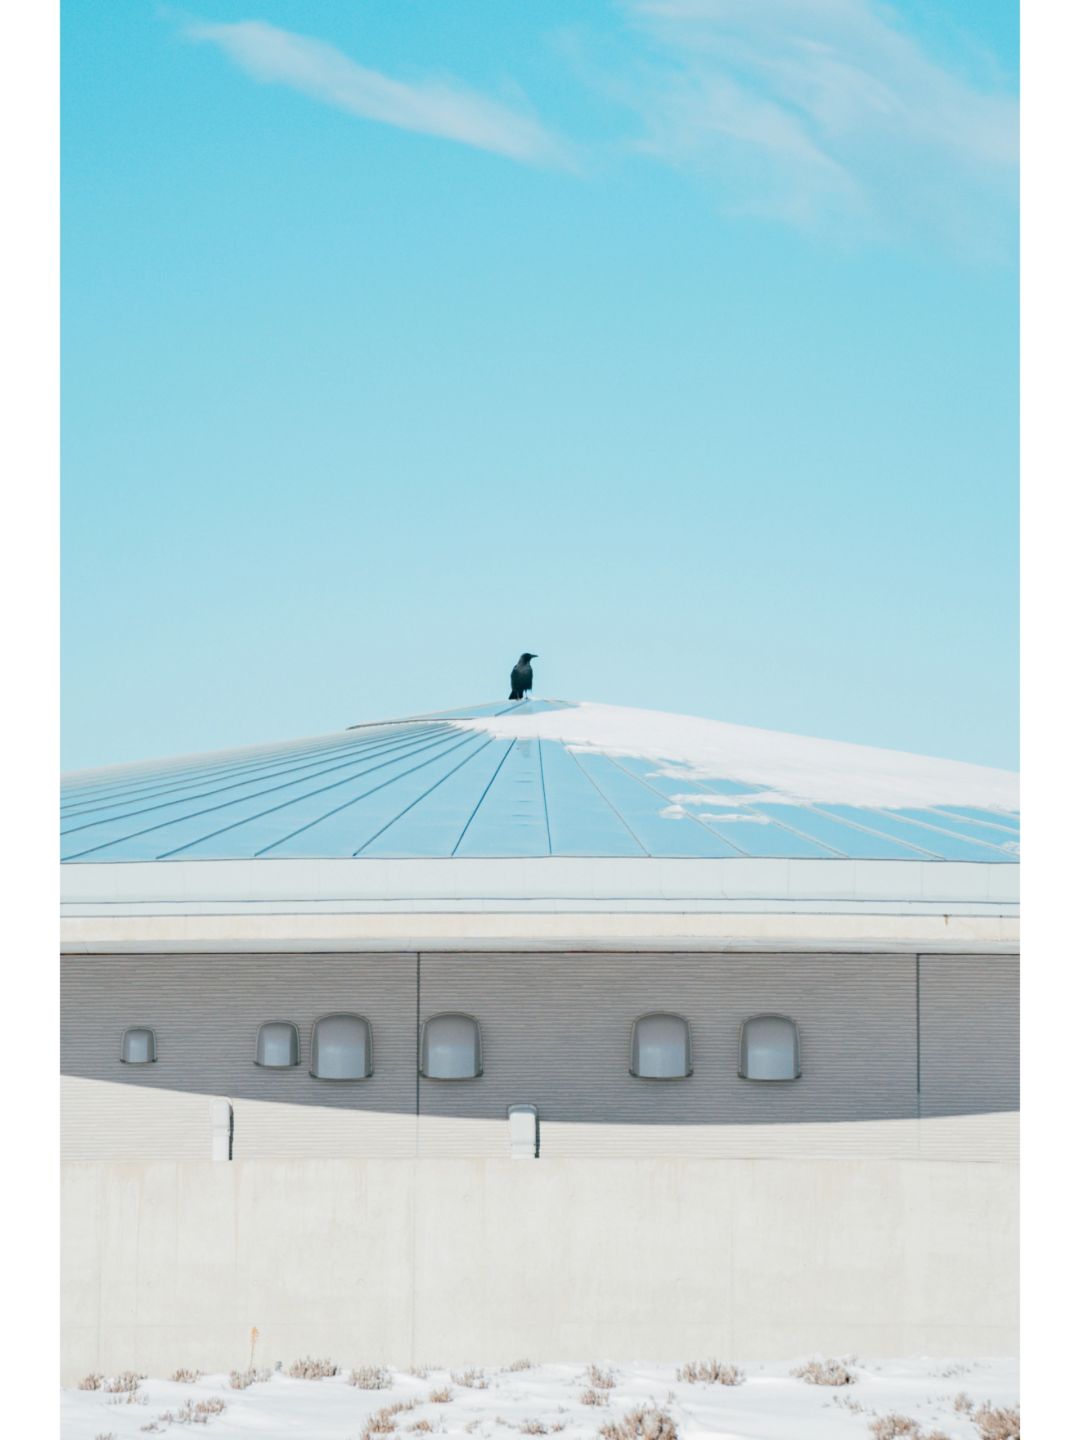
pixel 824 111
pixel 430 107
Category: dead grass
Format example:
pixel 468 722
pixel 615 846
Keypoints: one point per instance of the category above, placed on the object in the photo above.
pixel 384 1421
pixel 419 1372
pixel 423 1426
pixel 593 1397
pixel 186 1377
pixel 241 1379
pixel 517 1365
pixel 199 1412
pixel 825 1372
pixel 599 1378
pixel 963 1404
pixel 902 1427
pixel 848 1402
pixel 441 1396
pixel 471 1379
pixel 371 1377
pixel 92 1382
pixel 126 1383
pixel 533 1427
pixel 893 1427
pixel 709 1372
pixel 311 1369
pixel 997 1423
pixel 644 1422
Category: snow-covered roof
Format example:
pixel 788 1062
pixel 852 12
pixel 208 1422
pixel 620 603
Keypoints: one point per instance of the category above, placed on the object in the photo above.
pixel 544 778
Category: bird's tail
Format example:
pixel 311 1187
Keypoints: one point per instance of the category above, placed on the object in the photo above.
pixel 517 695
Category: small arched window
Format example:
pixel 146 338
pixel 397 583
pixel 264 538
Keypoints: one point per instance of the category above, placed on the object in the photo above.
pixel 769 1048
pixel 278 1045
pixel 450 1048
pixel 139 1046
pixel 341 1048
pixel 660 1047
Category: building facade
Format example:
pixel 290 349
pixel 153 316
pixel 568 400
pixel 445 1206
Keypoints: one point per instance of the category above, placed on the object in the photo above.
pixel 746 1004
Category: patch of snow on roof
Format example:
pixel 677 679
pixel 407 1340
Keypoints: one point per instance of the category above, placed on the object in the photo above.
pixel 796 768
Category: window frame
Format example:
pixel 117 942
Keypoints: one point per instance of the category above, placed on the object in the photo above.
pixel 293 1064
pixel 451 1015
pixel 743 1052
pixel 314 1049
pixel 663 1015
pixel 151 1059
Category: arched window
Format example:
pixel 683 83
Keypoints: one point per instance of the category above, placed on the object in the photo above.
pixel 341 1048
pixel 139 1046
pixel 769 1048
pixel 660 1048
pixel 450 1048
pixel 278 1045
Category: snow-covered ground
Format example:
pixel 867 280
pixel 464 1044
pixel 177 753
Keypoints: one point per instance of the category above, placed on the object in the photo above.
pixel 770 1404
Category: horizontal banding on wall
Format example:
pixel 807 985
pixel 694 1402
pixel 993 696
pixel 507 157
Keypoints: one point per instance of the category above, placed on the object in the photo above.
pixel 551 879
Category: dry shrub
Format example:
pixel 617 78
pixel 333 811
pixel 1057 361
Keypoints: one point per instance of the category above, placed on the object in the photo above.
pixel 592 1397
pixel 186 1377
pixel 599 1378
pixel 126 1383
pixel 419 1372
pixel 91 1382
pixel 384 1421
pixel 893 1427
pixel 311 1369
pixel 516 1365
pixel 997 1423
pixel 643 1423
pixel 825 1372
pixel 533 1427
pixel 198 1412
pixel 423 1426
pixel 241 1379
pixel 709 1372
pixel 370 1377
pixel 440 1396
pixel 963 1404
pixel 111 1435
pixel 471 1379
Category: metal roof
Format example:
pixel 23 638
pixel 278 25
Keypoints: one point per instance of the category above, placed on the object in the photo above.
pixel 463 784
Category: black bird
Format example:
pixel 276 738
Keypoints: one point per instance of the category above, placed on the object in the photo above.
pixel 521 677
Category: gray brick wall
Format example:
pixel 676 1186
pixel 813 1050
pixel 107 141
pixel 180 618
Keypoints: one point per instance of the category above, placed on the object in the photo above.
pixel 556 1033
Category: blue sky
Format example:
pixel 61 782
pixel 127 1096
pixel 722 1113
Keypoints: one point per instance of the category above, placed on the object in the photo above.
pixel 674 340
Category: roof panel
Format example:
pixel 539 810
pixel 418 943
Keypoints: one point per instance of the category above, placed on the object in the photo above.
pixel 511 816
pixel 540 778
pixel 435 823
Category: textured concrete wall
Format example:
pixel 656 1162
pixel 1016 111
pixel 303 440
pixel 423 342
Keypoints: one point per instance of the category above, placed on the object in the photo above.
pixel 168 1264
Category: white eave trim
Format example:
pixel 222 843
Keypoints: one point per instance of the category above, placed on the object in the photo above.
pixel 536 903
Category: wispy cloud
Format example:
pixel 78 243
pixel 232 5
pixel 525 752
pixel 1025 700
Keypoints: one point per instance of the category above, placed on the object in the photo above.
pixel 823 112
pixel 430 107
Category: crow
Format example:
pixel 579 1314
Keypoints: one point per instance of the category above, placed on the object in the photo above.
pixel 521 677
